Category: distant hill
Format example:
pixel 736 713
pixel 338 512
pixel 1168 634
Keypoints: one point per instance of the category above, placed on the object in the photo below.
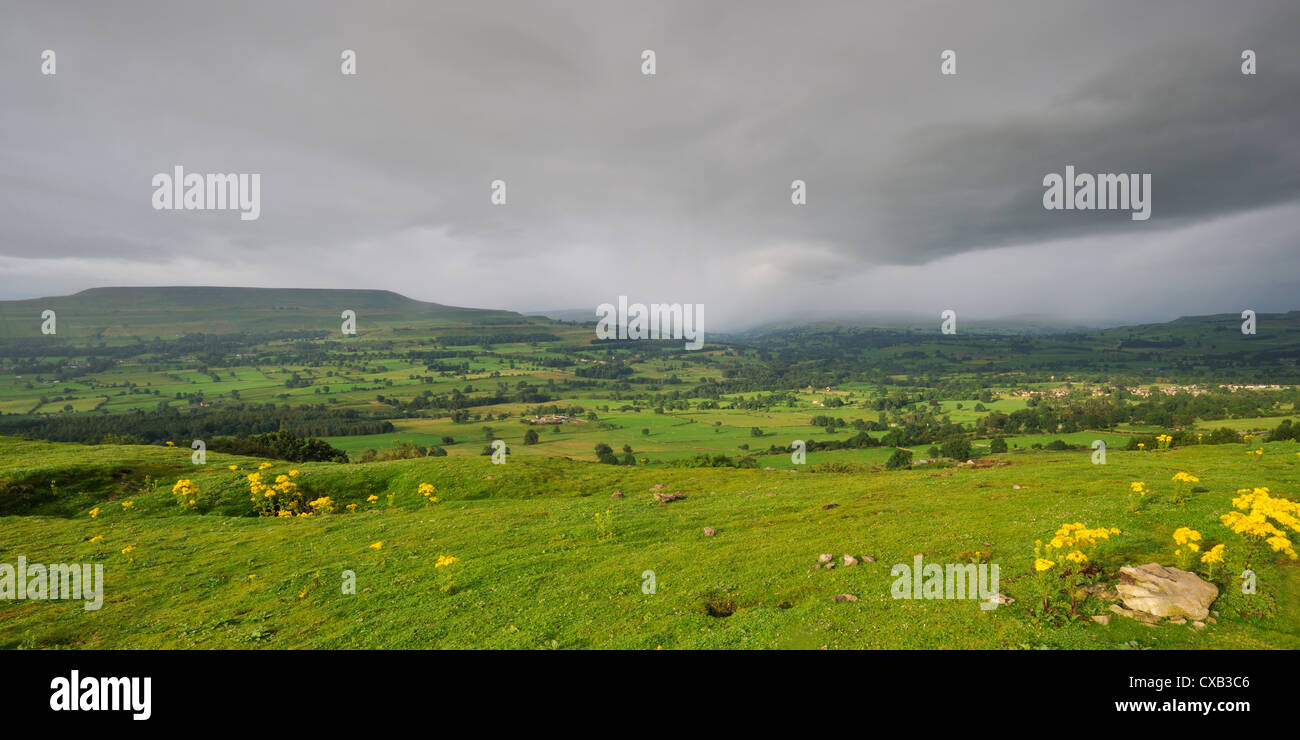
pixel 169 311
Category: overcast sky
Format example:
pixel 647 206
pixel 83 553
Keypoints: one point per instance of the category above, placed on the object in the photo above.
pixel 924 191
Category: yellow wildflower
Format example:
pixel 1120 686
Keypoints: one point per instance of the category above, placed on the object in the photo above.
pixel 1213 555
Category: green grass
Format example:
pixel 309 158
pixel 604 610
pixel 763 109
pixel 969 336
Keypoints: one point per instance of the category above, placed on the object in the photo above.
pixel 534 572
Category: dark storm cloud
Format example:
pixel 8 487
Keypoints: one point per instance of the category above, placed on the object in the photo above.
pixel 1215 141
pixel 674 186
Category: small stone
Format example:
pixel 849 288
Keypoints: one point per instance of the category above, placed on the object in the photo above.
pixel 828 566
pixel 868 559
pixel 825 557
pixel 829 506
pixel 1211 620
pixel 850 560
pixel 1016 487
pixel 1102 619
pixel 845 597
pixel 1003 599
pixel 1198 625
pixel 709 531
pixel 988 544
pixel 1178 620
pixel 616 494
pixel 817 566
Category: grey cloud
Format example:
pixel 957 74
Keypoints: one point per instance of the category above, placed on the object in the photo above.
pixel 625 183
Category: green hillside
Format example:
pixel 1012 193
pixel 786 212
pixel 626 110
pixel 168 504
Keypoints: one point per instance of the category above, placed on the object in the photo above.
pixel 105 313
pixel 538 568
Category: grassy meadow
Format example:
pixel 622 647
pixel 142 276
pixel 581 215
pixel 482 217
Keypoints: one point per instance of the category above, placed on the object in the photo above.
pixel 538 569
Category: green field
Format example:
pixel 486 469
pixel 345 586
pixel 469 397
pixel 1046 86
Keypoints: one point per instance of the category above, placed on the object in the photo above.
pixel 535 569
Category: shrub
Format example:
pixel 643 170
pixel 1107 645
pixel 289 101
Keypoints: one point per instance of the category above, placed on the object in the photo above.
pixel 900 459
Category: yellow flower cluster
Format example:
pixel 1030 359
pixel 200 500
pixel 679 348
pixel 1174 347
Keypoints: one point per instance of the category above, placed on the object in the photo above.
pixel 1187 536
pixel 1188 540
pixel 427 490
pixel 446 560
pixel 1260 508
pixel 322 505
pixel 1213 555
pixel 1069 543
pixel 94 512
pixel 282 498
pixel 1164 440
pixel 1182 492
pixel 186 493
pixel 1137 489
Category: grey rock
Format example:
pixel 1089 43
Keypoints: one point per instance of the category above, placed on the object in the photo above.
pixel 1165 592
